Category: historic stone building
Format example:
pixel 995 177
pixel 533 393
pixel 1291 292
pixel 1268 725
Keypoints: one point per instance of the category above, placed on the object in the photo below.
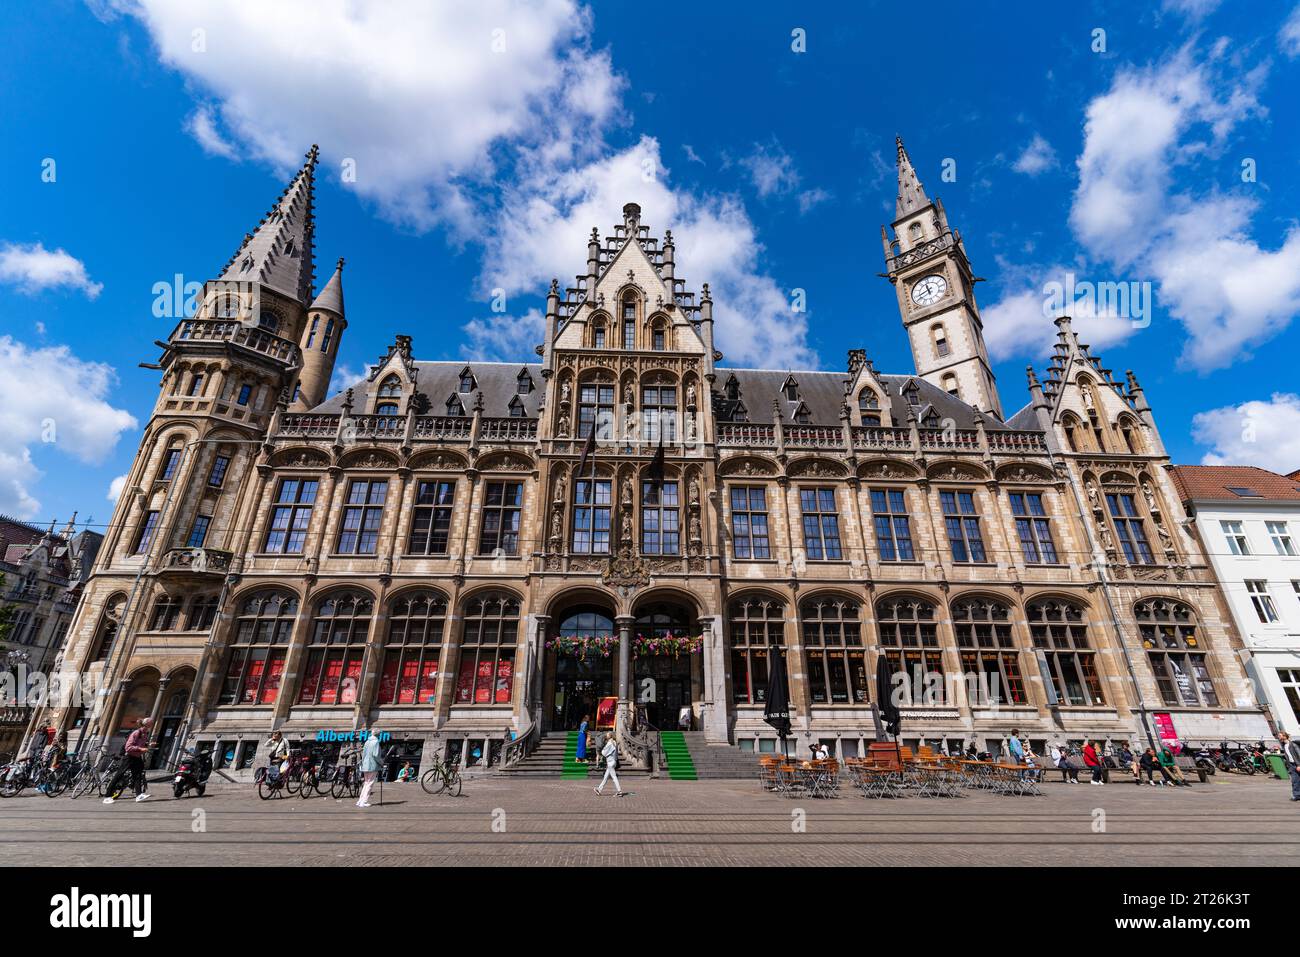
pixel 439 551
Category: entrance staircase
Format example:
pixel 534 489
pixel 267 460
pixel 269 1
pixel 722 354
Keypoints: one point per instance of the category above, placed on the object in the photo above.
pixel 678 756
pixel 714 761
pixel 554 757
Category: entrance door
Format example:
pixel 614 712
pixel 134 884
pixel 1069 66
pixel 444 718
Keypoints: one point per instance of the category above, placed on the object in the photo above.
pixel 173 715
pixel 582 676
pixel 663 682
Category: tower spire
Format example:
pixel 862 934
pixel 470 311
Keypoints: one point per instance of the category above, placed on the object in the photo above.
pixel 280 252
pixel 911 194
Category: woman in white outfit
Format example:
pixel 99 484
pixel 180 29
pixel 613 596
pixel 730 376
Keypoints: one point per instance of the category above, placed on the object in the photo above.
pixel 610 753
pixel 370 764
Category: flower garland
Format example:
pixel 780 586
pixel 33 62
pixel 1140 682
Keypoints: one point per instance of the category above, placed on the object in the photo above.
pixel 603 646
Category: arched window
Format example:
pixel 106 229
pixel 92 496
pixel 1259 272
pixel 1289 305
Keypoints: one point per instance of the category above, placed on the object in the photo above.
pixel 258 648
pixel 1128 430
pixel 986 648
pixel 1169 634
pixel 386 408
pixel 629 321
pixel 950 384
pixel 756 626
pixel 389 396
pixel 598 333
pixel 106 629
pixel 1059 631
pixel 416 622
pixel 166 613
pixel 454 406
pixel 487 650
pixel 1072 432
pixel 335 650
pixel 170 461
pixel 658 337
pixel 832 638
pixel 203 612
pixel 914 232
pixel 869 407
pixel 328 337
pixel 940 336
pixel 909 635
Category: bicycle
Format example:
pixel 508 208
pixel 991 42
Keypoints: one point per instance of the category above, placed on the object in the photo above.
pixel 94 779
pixel 346 776
pixel 443 776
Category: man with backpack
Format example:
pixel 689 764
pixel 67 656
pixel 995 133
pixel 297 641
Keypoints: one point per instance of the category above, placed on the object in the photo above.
pixel 1291 755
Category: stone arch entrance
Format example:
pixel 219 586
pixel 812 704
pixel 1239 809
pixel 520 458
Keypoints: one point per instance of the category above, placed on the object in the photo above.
pixel 175 694
pixel 581 662
pixel 667 677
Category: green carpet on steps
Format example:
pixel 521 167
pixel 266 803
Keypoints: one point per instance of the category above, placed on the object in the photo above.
pixel 572 767
pixel 680 765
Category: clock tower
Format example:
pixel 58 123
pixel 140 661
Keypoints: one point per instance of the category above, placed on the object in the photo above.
pixel 926 262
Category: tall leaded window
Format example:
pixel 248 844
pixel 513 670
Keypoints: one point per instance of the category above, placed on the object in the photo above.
pixel 596 410
pixel 1059 631
pixel 291 516
pixel 757 629
pixel 893 528
pixel 416 622
pixel 909 635
pixel 659 409
pixel 166 613
pixel 255 662
pixel 1128 528
pixel 336 649
pixel 658 337
pixel 832 639
pixel 749 538
pixel 1033 527
pixel 487 650
pixel 592 501
pixel 503 504
pixel 962 521
pixel 431 521
pixel 171 459
pixel 362 516
pixel 987 649
pixel 217 476
pixel 660 529
pixel 629 323
pixel 1169 634
pixel 146 531
pixel 821 524
pixel 202 613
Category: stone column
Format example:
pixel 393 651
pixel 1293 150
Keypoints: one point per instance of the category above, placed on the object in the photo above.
pixel 531 706
pixel 157 709
pixel 714 717
pixel 624 623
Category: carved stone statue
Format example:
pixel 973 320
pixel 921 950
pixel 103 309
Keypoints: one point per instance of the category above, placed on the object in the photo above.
pixel 694 497
pixel 564 391
pixel 1093 498
pixel 690 396
pixel 557 524
pixel 1150 497
pixel 1086 394
pixel 559 489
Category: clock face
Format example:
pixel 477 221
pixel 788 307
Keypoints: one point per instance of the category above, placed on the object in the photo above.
pixel 929 290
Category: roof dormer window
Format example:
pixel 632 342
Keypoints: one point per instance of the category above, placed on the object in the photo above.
pixel 791 389
pixel 467 383
pixel 455 406
pixel 523 383
pixel 516 408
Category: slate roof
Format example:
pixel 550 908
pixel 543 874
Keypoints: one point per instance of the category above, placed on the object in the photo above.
pixel 1203 483
pixel 279 253
pixel 498 381
pixel 331 297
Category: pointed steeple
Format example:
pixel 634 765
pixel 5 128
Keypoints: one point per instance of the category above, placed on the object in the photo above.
pixel 331 297
pixel 280 252
pixel 911 194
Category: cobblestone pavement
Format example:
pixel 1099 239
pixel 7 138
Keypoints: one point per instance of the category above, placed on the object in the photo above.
pixel 502 821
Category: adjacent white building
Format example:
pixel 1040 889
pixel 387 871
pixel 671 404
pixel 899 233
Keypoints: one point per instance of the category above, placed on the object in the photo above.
pixel 1248 520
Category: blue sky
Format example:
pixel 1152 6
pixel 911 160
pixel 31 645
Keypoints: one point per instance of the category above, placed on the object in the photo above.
pixel 489 137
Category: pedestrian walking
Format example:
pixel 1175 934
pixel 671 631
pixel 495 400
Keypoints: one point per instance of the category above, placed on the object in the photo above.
pixel 581 756
pixel 610 753
pixel 370 765
pixel 137 746
pixel 1291 755
pixel 1014 746
pixel 1093 761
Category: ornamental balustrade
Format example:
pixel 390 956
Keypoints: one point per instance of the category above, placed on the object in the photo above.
pixel 233 331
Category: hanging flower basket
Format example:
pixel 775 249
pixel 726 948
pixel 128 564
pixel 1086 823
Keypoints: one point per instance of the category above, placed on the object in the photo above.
pixel 673 645
pixel 597 646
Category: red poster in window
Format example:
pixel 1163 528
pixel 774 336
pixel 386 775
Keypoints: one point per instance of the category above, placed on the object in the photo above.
pixel 271 686
pixel 329 691
pixel 1165 729
pixel 428 682
pixel 351 682
pixel 388 680
pixel 465 682
pixel 410 676
pixel 505 680
pixel 483 683
pixel 252 679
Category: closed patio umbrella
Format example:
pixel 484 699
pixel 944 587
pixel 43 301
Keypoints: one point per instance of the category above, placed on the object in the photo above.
pixel 776 710
pixel 888 708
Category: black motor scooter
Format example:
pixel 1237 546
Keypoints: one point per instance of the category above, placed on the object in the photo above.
pixel 192 772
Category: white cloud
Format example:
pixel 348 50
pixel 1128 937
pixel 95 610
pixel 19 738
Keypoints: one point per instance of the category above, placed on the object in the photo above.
pixel 1289 36
pixel 811 198
pixel 344 377
pixel 1022 324
pixel 691 155
pixel 503 338
pixel 1038 157
pixel 202 125
pixel 421 96
pixel 1192 9
pixel 50 396
pixel 550 218
pixel 1261 433
pixel 115 488
pixel 771 169
pixel 1228 292
pixel 33 268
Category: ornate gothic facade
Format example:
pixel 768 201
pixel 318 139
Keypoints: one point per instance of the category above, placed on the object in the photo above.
pixel 434 552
